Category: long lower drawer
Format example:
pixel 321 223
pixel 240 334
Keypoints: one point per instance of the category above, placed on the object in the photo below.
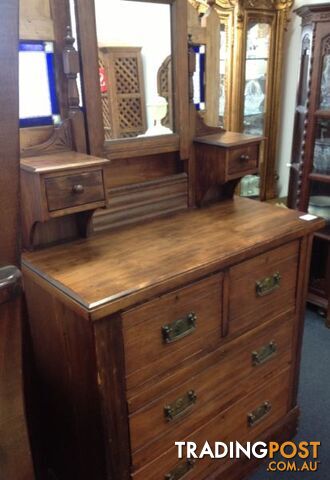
pixel 234 371
pixel 244 421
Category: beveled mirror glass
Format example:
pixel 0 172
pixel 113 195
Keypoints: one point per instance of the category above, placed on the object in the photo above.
pixel 256 76
pixel 134 44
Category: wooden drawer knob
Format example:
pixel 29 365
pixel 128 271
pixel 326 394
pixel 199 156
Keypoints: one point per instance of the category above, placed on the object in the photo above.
pixel 78 189
pixel 244 158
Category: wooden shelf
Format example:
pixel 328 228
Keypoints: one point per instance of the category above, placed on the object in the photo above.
pixel 324 234
pixel 228 139
pixel 319 177
pixel 317 300
pixel 323 114
pixel 55 162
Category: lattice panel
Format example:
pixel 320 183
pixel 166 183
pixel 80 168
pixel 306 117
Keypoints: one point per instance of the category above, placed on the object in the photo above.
pixel 127 75
pixel 326 46
pixel 106 117
pixel 124 108
pixel 130 114
pixel 164 86
pixel 163 79
pixel 106 109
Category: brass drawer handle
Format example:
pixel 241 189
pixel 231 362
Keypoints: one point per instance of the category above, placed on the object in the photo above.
pixel 78 188
pixel 244 158
pixel 180 406
pixel 268 285
pixel 180 470
pixel 264 354
pixel 179 328
pixel 259 413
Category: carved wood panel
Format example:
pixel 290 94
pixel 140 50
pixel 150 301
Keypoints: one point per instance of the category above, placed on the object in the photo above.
pixel 35 21
pixel 165 89
pixel 123 97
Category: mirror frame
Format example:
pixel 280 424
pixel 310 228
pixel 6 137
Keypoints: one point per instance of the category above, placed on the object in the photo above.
pixel 88 51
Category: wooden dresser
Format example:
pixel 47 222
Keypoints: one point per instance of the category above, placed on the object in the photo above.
pixel 185 328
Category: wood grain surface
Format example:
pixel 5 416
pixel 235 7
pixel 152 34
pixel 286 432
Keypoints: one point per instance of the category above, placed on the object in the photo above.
pixel 228 139
pixel 114 270
pixel 60 161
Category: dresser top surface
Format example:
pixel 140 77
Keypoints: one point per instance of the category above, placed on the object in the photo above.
pixel 228 139
pixel 61 161
pixel 116 269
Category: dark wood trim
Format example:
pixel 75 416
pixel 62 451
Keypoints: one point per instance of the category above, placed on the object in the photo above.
pixel 141 147
pixel 9 139
pixel 89 68
pixel 302 287
pixel 60 10
pixel 139 202
pixel 180 75
pixel 16 460
pixel 111 371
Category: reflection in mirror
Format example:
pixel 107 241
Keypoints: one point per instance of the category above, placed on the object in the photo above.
pixel 325 81
pixel 256 72
pixel 256 78
pixel 134 40
pixel 223 73
pixel 321 162
pixel 199 77
pixel 38 103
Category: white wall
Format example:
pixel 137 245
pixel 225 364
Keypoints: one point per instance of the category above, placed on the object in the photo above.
pixel 289 82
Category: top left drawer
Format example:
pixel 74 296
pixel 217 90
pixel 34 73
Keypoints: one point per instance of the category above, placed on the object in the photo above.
pixel 67 191
pixel 161 334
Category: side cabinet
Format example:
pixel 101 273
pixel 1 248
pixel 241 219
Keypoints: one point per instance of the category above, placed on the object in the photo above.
pixel 309 188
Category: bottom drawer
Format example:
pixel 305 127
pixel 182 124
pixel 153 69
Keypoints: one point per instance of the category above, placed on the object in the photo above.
pixel 220 379
pixel 244 421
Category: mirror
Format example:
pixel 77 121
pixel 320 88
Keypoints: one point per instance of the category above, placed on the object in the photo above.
pixel 256 77
pixel 208 38
pixel 134 44
pixel 38 104
pixel 199 77
pixel 223 73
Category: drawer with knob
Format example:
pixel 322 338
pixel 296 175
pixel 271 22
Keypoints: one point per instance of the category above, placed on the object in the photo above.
pixel 241 159
pixel 67 191
pixel 224 376
pixel 263 288
pixel 243 421
pixel 162 333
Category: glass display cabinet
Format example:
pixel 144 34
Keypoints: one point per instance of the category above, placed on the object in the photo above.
pixel 309 188
pixel 249 88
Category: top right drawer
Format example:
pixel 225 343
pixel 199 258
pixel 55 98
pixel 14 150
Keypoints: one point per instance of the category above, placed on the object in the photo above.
pixel 263 287
pixel 242 159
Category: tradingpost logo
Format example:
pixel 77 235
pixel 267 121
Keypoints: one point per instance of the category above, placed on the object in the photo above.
pixel 290 456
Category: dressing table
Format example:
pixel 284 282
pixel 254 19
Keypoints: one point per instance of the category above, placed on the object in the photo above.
pixel 179 322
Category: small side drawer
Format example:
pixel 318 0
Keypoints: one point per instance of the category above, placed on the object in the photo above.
pixel 263 287
pixel 73 190
pixel 242 159
pixel 160 334
pixel 244 421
